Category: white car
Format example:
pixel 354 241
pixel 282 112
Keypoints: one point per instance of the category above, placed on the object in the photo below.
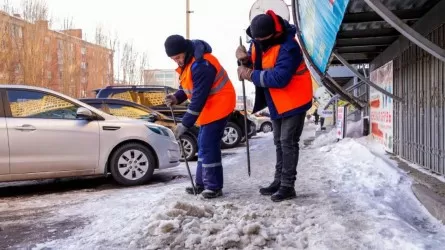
pixel 263 123
pixel 44 134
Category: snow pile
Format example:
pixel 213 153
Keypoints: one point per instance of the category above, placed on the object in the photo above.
pixel 224 225
pixel 325 139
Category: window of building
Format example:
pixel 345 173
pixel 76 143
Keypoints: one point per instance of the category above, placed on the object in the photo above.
pixel 60 44
pixel 18 68
pixel 169 75
pixel 83 65
pixel 83 51
pixel 17 31
pixel 49 75
pixel 3 45
pixel 159 75
pixel 32 104
pixel 60 58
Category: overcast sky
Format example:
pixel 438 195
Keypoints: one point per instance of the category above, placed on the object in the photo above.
pixel 148 22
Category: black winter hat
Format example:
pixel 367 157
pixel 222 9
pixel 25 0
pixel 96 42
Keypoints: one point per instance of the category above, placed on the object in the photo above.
pixel 174 45
pixel 262 26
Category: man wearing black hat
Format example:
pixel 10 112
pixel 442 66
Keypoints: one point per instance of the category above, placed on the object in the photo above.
pixel 275 65
pixel 205 82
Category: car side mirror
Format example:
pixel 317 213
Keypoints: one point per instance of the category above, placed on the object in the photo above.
pixel 84 113
pixel 152 117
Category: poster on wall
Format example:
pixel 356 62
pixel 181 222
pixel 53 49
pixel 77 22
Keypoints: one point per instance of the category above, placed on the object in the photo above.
pixel 381 106
pixel 319 24
pixel 341 122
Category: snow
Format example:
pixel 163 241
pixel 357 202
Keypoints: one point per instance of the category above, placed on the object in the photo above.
pixel 348 198
pixel 354 129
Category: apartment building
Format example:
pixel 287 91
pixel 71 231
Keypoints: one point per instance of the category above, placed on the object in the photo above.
pixel 33 54
pixel 161 77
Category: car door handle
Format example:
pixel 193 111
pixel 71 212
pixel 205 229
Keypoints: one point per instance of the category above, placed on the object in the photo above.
pixel 26 127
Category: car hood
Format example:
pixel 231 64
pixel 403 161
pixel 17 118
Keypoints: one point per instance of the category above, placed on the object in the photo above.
pixel 122 119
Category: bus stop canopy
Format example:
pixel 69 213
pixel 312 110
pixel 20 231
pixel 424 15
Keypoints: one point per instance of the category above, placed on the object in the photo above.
pixel 363 34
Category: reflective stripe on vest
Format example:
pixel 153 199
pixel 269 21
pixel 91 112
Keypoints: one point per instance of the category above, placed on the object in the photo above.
pixel 222 98
pixel 298 91
pixel 222 74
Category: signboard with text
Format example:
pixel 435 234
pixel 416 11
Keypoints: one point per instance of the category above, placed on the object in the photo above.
pixel 341 122
pixel 382 106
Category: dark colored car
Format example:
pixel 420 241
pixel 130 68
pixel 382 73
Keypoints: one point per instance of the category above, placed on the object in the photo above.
pixel 153 97
pixel 133 110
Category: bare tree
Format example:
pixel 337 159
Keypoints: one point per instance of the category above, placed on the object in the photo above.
pixel 68 23
pixel 100 37
pixel 143 64
pixel 128 63
pixel 35 10
pixel 8 8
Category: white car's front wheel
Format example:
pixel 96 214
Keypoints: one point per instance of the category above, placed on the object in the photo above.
pixel 266 127
pixel 132 164
pixel 190 147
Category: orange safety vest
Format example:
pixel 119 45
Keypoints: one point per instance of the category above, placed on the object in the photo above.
pixel 299 90
pixel 222 98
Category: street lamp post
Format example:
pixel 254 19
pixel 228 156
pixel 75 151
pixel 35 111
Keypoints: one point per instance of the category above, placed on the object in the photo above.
pixel 187 19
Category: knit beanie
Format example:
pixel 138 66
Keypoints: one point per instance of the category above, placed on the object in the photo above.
pixel 174 45
pixel 262 26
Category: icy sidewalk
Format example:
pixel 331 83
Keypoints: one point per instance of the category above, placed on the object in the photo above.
pixel 347 199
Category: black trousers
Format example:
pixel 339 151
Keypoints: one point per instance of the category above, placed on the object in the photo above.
pixel 287 132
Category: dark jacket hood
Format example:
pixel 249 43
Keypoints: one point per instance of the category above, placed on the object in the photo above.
pixel 200 48
pixel 196 49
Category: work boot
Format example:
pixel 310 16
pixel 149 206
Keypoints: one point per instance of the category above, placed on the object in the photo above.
pixel 284 193
pixel 210 194
pixel 198 190
pixel 271 189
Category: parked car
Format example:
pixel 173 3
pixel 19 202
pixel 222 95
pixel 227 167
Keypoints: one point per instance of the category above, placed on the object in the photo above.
pixel 133 110
pixel 45 134
pixel 264 124
pixel 153 97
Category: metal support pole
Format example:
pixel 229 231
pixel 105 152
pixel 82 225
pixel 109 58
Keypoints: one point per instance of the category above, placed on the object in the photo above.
pixel 187 19
pixel 246 129
pixel 181 146
pixel 406 30
pixel 366 80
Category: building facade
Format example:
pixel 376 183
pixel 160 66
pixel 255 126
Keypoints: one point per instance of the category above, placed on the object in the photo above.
pixel 33 54
pixel 161 77
pixel 240 103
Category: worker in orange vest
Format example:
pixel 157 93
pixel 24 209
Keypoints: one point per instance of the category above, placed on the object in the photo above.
pixel 275 65
pixel 205 82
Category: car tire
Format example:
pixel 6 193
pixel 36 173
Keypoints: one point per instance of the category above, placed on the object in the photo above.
pixel 232 136
pixel 266 127
pixel 190 146
pixel 132 164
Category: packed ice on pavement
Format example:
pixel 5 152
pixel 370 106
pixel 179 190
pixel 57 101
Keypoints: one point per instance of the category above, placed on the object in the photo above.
pixel 348 198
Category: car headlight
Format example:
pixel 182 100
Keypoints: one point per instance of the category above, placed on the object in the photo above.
pixel 161 131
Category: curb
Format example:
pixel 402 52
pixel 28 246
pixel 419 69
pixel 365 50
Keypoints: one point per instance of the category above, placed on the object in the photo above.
pixel 434 203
